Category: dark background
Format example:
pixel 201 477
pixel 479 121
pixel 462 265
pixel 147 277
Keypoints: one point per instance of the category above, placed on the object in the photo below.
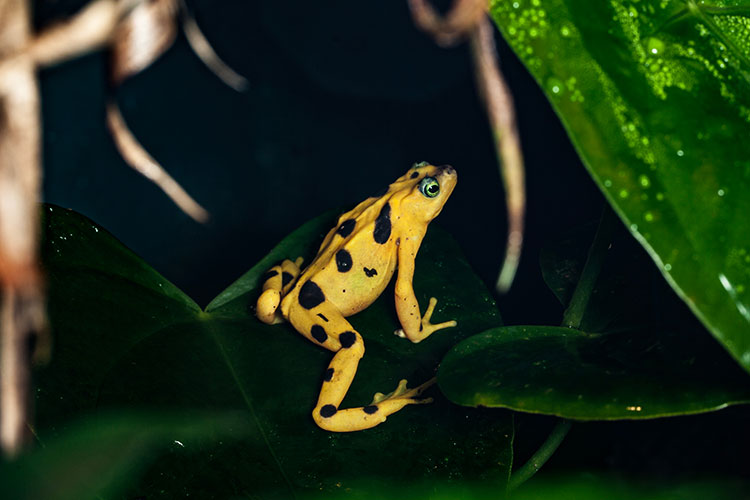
pixel 343 97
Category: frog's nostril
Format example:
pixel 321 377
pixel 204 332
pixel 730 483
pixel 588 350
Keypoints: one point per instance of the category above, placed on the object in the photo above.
pixel 447 169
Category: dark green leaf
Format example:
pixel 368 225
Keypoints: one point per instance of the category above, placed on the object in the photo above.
pixel 99 456
pixel 640 354
pixel 120 343
pixel 103 300
pixel 572 374
pixel 655 97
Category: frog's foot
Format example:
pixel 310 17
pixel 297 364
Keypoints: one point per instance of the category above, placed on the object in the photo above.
pixel 426 328
pixel 276 283
pixel 331 418
pixel 403 392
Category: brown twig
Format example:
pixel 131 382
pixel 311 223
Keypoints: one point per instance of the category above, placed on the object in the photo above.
pixel 138 158
pixel 90 29
pixel 499 103
pixel 468 18
pixel 140 36
pixel 22 318
pixel 205 52
pixel 449 29
pixel 21 309
pixel 137 31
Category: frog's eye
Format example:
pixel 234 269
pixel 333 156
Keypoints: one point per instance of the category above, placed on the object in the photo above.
pixel 429 187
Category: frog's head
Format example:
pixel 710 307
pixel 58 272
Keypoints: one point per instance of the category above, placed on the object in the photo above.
pixel 426 188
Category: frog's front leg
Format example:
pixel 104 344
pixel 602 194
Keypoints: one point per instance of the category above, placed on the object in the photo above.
pixel 414 326
pixel 324 325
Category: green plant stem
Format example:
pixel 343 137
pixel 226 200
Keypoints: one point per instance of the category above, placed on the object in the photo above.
pixel 541 456
pixel 597 253
pixel 572 319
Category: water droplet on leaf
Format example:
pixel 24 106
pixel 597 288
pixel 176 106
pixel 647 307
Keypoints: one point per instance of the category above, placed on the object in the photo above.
pixel 654 46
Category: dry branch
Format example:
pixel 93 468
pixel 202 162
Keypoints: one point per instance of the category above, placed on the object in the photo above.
pixel 137 32
pixel 21 312
pixel 449 29
pixel 138 158
pixel 499 104
pixel 468 18
pixel 205 52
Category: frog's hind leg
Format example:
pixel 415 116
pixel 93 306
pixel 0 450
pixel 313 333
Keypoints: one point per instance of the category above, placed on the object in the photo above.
pixel 382 405
pixel 276 283
pixel 324 325
pixel 328 416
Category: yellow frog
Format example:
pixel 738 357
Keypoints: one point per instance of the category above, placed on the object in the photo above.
pixel 352 268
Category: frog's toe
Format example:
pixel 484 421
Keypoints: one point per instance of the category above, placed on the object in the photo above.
pixel 427 327
pixel 417 391
pixel 403 392
pixel 444 324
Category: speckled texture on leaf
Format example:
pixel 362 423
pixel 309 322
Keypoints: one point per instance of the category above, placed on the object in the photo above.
pixel 655 96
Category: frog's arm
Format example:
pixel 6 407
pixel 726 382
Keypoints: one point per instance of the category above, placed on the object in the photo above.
pixel 414 326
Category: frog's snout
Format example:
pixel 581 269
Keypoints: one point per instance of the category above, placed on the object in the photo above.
pixel 447 170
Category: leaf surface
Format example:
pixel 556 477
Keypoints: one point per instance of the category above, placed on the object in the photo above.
pixel 639 353
pixel 655 96
pixel 127 338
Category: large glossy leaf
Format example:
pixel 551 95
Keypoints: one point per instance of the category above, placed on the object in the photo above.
pixel 655 96
pixel 98 457
pixel 126 337
pixel 569 373
pixel 639 352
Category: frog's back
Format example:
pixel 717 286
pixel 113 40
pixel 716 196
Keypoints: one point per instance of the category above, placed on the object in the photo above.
pixel 357 258
pixel 355 271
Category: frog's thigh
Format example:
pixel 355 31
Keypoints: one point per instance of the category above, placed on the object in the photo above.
pixel 323 324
